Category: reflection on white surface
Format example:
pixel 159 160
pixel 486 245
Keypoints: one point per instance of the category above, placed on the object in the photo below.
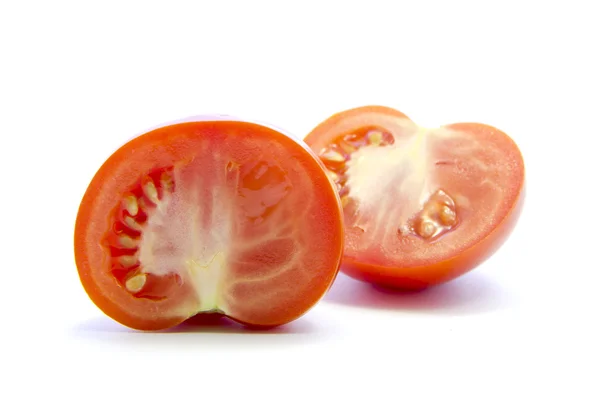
pixel 218 333
pixel 473 293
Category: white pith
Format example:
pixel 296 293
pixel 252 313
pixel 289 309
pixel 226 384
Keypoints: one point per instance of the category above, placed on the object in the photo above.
pixel 174 242
pixel 193 232
pixel 403 173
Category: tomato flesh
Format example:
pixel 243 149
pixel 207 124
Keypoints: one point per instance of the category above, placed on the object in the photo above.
pixel 214 216
pixel 421 206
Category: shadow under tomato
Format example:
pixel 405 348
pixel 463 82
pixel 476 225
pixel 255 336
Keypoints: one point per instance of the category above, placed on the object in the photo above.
pixel 473 293
pixel 199 333
pixel 221 324
pixel 202 323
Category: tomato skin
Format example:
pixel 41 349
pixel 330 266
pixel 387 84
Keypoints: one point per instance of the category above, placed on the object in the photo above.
pixel 433 271
pixel 144 314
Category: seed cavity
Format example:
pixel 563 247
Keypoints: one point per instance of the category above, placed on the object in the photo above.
pixel 336 154
pixel 134 208
pixel 355 140
pixel 437 217
pixel 262 187
pixel 136 283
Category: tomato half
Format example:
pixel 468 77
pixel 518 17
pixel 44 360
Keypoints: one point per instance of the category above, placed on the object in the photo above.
pixel 421 206
pixel 213 216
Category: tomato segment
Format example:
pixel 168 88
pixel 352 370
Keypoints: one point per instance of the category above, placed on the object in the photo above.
pixel 216 216
pixel 421 206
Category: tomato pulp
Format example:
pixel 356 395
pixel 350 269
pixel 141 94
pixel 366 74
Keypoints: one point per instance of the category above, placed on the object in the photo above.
pixel 421 206
pixel 210 216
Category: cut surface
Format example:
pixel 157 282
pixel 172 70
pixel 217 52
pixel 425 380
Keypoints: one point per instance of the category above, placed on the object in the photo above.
pixel 416 197
pixel 215 216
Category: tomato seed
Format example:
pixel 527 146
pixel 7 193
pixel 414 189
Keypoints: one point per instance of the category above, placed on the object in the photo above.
pixel 131 205
pixel 345 201
pixel 132 224
pixel 151 192
pixel 135 283
pixel 332 175
pixel 426 228
pixel 447 215
pixel 329 155
pixel 127 242
pixel 128 261
pixel 375 138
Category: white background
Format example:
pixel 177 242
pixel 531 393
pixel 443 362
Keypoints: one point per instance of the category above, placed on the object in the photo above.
pixel 78 79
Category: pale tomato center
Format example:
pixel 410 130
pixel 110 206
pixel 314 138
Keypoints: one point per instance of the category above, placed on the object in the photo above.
pixel 405 188
pixel 240 231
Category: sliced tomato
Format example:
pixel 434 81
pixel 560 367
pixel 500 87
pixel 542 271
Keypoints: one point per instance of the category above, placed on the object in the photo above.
pixel 421 206
pixel 214 216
